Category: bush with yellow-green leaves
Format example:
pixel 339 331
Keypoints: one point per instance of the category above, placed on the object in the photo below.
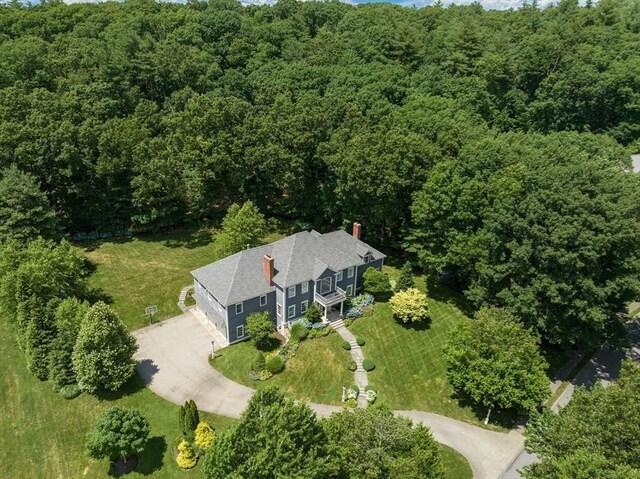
pixel 204 436
pixel 187 457
pixel 410 306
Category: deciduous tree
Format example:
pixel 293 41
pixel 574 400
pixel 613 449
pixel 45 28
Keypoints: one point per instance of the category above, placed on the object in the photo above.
pixel 410 306
pixel 243 226
pixel 119 433
pixel 259 327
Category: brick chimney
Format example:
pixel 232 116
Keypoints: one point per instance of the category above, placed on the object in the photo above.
pixel 356 230
pixel 268 269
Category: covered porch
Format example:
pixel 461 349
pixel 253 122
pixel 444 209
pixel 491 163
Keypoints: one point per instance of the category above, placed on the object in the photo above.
pixel 328 301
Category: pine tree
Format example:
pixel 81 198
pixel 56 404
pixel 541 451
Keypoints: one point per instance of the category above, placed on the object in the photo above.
pixel 405 281
pixel 68 318
pixel 103 354
pixel 40 332
pixel 25 212
pixel 181 419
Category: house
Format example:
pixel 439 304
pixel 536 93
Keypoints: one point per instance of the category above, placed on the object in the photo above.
pixel 283 278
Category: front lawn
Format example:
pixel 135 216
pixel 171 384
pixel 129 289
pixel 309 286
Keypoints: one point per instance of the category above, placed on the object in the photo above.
pixel 410 367
pixel 42 435
pixel 455 464
pixel 316 373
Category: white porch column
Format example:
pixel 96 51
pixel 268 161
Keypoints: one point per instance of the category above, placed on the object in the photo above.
pixel 341 307
pixel 326 310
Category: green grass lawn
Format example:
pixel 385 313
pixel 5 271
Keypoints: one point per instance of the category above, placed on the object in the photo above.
pixel 410 367
pixel 316 373
pixel 149 270
pixel 42 435
pixel 455 465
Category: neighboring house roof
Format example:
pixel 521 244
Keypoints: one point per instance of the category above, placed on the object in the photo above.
pixel 297 258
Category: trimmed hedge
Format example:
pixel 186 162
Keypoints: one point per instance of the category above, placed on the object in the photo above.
pixel 351 365
pixel 70 391
pixel 368 364
pixel 346 345
pixel 275 364
pixel 360 341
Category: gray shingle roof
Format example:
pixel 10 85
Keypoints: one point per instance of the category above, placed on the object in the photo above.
pixel 297 258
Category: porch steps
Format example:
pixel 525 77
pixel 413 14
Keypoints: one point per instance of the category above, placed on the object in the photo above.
pixel 338 323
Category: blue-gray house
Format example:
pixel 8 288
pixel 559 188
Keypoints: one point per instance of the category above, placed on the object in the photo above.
pixel 283 278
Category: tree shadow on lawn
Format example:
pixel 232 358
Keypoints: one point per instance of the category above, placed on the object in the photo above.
pixel 131 387
pixel 151 458
pixel 505 418
pixel 269 345
pixel 442 293
pixel 417 326
pixel 184 239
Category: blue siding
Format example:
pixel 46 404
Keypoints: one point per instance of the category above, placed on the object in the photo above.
pixel 248 307
pixel 297 300
pixel 377 264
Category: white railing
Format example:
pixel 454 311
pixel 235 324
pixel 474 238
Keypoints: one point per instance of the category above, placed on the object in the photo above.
pixel 332 298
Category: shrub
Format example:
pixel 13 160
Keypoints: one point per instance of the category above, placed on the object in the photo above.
pixel 348 322
pixel 360 341
pixel 369 387
pixel 70 391
pixel 351 403
pixel 299 332
pixel 289 350
pixel 275 364
pixel 204 436
pixel 346 345
pixel 351 365
pixel 318 326
pixel 368 364
pixel 376 282
pixel 353 391
pixel 259 327
pixel 410 306
pixel 265 375
pixel 257 366
pixel 371 396
pixel 186 456
pixel 313 314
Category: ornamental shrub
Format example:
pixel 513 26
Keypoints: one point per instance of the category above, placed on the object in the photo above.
pixel 351 403
pixel 204 436
pixel 313 314
pixel 410 306
pixel 258 365
pixel 360 341
pixel 346 345
pixel 259 327
pixel 368 365
pixel 353 391
pixel 376 282
pixel 275 364
pixel 186 456
pixel 299 332
pixel 371 396
pixel 351 365
pixel 70 391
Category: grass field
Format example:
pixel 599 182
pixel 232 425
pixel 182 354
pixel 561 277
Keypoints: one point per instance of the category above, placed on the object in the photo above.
pixel 455 465
pixel 316 373
pixel 42 435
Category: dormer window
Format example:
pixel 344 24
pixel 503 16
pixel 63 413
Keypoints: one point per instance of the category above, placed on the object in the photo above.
pixel 368 258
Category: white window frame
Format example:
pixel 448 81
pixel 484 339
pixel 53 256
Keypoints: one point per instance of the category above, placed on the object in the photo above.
pixel 289 292
pixel 338 276
pixel 263 300
pixel 240 329
pixel 291 311
pixel 350 272
pixel 369 258
pixel 321 281
pixel 349 289
pixel 279 309
pixel 304 306
pixel 304 287
pixel 241 308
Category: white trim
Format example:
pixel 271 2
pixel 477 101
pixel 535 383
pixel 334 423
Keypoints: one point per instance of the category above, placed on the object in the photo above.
pixel 338 276
pixel 350 272
pixel 321 282
pixel 264 296
pixel 279 309
pixel 289 294
pixel 304 287
pixel 291 315
pixel 238 329
pixel 349 289
pixel 241 308
pixel 304 306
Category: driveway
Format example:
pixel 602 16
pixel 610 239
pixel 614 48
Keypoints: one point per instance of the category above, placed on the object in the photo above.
pixel 173 363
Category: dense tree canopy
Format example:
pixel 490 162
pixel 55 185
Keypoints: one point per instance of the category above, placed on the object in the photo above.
pixel 596 435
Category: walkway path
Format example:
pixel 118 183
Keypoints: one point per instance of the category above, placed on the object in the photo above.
pixel 356 353
pixel 173 362
pixel 184 292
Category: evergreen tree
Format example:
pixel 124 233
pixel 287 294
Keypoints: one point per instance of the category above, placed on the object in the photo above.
pixel 181 419
pixel 39 334
pixel 68 318
pixel 103 354
pixel 191 417
pixel 405 281
pixel 25 212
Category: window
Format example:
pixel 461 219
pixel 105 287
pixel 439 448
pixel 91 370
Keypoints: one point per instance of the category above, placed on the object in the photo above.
pixel 350 272
pixel 304 287
pixel 304 306
pixel 338 276
pixel 240 331
pixel 368 258
pixel 239 308
pixel 325 285
pixel 291 311
pixel 263 300
pixel 279 309
pixel 349 290
pixel 291 292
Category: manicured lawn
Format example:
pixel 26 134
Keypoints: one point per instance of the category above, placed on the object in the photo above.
pixel 410 367
pixel 42 435
pixel 150 270
pixel 455 465
pixel 316 373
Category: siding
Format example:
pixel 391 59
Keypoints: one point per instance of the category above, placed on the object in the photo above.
pixel 297 300
pixel 216 318
pixel 377 264
pixel 248 307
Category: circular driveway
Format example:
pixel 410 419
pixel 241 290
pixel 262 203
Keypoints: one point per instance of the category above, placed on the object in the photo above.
pixel 173 363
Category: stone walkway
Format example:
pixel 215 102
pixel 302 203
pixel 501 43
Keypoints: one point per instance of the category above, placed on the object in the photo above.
pixel 173 363
pixel 360 374
pixel 184 292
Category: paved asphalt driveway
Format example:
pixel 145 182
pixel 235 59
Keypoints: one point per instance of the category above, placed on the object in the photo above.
pixel 173 363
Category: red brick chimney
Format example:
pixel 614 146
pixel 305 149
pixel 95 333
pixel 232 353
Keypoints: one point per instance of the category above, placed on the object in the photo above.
pixel 356 230
pixel 268 269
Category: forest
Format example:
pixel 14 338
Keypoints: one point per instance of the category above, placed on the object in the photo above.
pixel 492 146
